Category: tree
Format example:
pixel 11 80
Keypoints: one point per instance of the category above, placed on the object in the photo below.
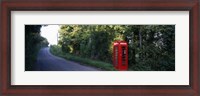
pixel 151 47
pixel 33 42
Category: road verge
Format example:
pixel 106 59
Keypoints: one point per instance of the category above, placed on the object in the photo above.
pixel 56 50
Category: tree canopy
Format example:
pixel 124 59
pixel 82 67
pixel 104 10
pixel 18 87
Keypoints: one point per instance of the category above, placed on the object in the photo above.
pixel 33 42
pixel 150 47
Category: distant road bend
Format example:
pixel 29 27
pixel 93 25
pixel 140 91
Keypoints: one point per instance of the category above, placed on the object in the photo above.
pixel 48 62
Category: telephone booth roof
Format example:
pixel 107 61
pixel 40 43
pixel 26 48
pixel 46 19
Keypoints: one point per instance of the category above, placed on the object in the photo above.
pixel 120 41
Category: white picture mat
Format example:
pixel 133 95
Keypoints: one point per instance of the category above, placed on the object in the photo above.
pixel 178 77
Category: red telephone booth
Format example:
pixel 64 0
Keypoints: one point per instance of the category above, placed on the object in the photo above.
pixel 120 55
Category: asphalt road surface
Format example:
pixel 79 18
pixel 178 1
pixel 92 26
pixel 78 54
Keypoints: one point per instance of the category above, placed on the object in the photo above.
pixel 48 62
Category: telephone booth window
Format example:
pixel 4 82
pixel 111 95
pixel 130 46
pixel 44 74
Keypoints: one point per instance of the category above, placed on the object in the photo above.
pixel 116 56
pixel 123 55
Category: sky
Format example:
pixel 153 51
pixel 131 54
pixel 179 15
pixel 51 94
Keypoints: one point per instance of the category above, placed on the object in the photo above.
pixel 51 33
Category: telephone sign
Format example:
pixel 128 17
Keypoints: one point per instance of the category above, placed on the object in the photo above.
pixel 120 55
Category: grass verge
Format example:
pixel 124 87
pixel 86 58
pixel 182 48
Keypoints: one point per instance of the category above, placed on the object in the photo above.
pixel 56 50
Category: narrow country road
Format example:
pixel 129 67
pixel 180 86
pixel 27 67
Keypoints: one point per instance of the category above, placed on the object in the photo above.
pixel 48 62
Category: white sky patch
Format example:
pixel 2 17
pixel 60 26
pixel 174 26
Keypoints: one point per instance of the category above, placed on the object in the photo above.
pixel 51 33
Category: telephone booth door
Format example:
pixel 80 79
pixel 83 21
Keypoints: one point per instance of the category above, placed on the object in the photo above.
pixel 120 55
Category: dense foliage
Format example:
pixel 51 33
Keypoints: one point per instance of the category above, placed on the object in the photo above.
pixel 151 47
pixel 33 42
